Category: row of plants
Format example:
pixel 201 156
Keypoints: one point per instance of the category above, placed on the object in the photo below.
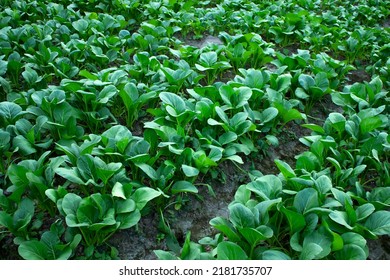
pixel 78 80
pixel 327 207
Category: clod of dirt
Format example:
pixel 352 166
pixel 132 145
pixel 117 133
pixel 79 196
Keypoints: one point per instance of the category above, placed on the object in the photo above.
pixel 379 249
pixel 207 40
pixel 358 76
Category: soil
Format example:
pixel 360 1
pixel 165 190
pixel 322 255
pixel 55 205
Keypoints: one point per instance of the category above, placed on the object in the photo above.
pixel 206 40
pixel 380 248
pixel 8 250
pixel 358 76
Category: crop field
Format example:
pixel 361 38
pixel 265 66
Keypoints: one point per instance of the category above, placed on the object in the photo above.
pixel 220 129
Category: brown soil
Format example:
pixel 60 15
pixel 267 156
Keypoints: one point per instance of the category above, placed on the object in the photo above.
pixel 358 76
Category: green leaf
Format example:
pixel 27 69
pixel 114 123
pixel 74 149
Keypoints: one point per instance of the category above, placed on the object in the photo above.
pixel 183 186
pixel 341 196
pixel 143 195
pixel 10 111
pixel 106 94
pixel 379 222
pixel 208 59
pixel 354 238
pixel 190 171
pixel 227 138
pixel 33 250
pixel 70 174
pixel 306 199
pixel 80 25
pixel 307 161
pixel 118 191
pixel 310 251
pixel 31 76
pixel 152 174
pixel 70 203
pixel 226 228
pixel 241 216
pixel 351 252
pixel 286 170
pixel 363 211
pixel 255 236
pixel 274 255
pixel 320 239
pixel 106 171
pixel 230 251
pixel 296 220
pixel 163 255
pixel 370 124
pixel 306 81
pixel 268 114
pixel 174 101
pixel 128 220
pixel 338 121
pixel 125 206
pixel 341 218
pixel 323 184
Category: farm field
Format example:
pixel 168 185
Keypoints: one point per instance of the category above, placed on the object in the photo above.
pixel 215 130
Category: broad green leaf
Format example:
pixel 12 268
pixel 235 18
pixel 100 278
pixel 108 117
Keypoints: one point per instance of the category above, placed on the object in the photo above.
pixel 226 228
pixel 351 252
pixel 379 222
pixel 31 76
pixel 274 255
pixel 190 171
pixel 380 195
pixel 255 236
pixel 363 211
pixel 354 238
pixel 183 186
pixel 320 239
pixel 143 195
pixel 267 187
pixel 341 196
pixel 370 124
pixel 106 94
pixel 268 114
pixel 306 199
pixel 106 171
pixel 310 251
pixel 341 218
pixel 230 251
pixel 296 220
pixel 128 220
pixel 227 138
pixel 70 174
pixel 152 174
pixel 306 81
pixel 242 194
pixel 124 206
pixel 10 111
pixel 118 191
pixel 338 121
pixel 70 203
pixel 175 102
pixel 33 250
pixel 307 161
pixel 241 216
pixel 80 25
pixel 323 184
pixel 163 255
pixel 208 59
pixel 286 170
